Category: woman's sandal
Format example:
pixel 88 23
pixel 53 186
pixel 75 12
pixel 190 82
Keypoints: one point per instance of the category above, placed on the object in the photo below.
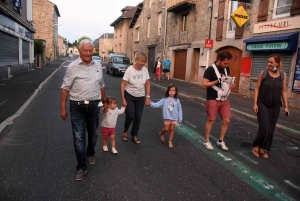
pixel 255 153
pixel 263 154
pixel 135 140
pixel 170 145
pixel 125 137
pixel 161 137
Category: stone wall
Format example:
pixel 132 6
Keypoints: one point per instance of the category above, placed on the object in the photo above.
pixel 43 16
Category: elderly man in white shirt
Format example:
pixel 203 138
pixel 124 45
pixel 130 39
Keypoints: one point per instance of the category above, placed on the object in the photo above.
pixel 84 84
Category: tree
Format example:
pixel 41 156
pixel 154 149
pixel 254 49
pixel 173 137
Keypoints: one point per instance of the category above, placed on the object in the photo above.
pixel 82 38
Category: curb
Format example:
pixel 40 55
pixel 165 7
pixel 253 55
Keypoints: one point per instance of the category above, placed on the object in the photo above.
pixel 6 125
pixel 292 133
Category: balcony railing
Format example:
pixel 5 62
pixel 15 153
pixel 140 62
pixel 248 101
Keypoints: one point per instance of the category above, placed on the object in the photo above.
pixel 183 37
pixel 177 6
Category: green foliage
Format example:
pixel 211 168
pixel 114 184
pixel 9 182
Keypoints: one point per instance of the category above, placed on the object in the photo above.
pixel 82 38
pixel 38 47
pixel 96 54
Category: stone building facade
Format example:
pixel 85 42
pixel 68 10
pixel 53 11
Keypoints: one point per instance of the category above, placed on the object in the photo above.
pixel 106 45
pixel 272 26
pixel 16 38
pixel 122 34
pixel 62 46
pixel 45 16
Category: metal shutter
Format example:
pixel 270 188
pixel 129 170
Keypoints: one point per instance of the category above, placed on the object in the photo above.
pixel 25 51
pixel 9 49
pixel 260 62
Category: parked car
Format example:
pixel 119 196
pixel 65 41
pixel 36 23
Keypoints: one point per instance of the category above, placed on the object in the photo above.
pixel 117 65
pixel 97 59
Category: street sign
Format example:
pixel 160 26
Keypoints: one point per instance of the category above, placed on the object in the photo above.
pixel 240 16
pixel 209 43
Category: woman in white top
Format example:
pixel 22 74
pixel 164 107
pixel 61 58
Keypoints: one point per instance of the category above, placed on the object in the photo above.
pixel 135 92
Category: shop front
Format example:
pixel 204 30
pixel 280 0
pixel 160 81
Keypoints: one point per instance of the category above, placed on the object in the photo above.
pixel 263 46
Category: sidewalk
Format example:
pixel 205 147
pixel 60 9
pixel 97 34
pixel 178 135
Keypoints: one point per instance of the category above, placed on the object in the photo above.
pixel 17 93
pixel 241 106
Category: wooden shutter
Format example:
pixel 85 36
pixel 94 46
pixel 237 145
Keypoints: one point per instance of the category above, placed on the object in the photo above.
pixel 295 8
pixel 239 31
pixel 220 21
pixel 263 10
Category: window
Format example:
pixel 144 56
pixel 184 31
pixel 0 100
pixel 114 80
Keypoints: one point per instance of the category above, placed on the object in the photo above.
pixel 148 31
pixel 184 22
pixel 159 24
pixel 231 26
pixel 137 34
pixel 281 8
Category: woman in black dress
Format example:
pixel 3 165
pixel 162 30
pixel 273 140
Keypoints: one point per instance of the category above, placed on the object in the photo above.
pixel 270 88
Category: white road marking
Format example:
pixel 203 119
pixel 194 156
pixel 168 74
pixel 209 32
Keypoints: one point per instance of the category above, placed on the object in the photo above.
pixel 4 101
pixel 224 157
pixel 291 184
pixel 192 125
pixel 247 157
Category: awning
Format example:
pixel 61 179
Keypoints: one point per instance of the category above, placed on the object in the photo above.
pixel 274 42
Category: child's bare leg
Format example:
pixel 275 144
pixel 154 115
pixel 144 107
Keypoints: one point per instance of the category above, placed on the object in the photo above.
pixel 172 128
pixel 112 141
pixel 163 131
pixel 104 141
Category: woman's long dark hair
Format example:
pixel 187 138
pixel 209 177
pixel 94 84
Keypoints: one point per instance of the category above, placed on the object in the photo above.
pixel 169 87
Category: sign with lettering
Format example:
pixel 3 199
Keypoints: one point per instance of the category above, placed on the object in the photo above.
pixel 267 46
pixel 18 4
pixel 240 16
pixel 277 25
pixel 296 83
pixel 209 43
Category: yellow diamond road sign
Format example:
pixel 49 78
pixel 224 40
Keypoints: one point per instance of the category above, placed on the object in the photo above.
pixel 240 16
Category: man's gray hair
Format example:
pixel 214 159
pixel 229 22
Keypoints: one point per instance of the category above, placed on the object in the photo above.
pixel 85 41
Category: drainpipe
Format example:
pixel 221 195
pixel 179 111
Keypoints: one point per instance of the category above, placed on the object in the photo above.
pixel 165 34
pixel 209 34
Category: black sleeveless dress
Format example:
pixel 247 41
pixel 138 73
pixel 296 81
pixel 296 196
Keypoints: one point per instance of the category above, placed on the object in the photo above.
pixel 269 103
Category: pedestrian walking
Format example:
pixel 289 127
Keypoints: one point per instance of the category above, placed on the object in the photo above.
pixel 269 93
pixel 213 104
pixel 135 92
pixel 157 69
pixel 109 122
pixel 83 82
pixel 172 112
pixel 166 68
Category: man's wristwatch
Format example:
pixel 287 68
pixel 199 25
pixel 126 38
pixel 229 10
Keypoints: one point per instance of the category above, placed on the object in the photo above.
pixel 148 96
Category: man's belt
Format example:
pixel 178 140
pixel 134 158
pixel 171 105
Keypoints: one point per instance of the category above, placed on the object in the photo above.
pixel 86 102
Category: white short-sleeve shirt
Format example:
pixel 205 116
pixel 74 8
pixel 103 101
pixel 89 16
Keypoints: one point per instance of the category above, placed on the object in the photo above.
pixel 136 80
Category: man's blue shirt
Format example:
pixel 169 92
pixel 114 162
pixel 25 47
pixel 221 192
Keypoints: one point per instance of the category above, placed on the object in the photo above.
pixel 167 63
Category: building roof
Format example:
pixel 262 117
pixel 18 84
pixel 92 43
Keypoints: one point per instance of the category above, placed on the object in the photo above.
pixel 62 37
pixel 56 9
pixel 109 35
pixel 136 15
pixel 127 13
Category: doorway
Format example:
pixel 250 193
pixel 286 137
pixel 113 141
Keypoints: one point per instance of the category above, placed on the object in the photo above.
pixel 151 58
pixel 235 65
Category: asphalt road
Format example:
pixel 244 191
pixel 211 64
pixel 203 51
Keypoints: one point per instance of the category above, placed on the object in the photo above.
pixel 38 159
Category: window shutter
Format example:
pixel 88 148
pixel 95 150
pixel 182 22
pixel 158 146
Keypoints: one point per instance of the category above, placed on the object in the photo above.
pixel 295 7
pixel 239 31
pixel 263 10
pixel 220 21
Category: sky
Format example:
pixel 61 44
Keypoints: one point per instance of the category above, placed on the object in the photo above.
pixel 89 18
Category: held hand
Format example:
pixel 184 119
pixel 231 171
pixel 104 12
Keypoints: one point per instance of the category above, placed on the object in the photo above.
pixel 147 102
pixel 63 114
pixel 124 103
pixel 255 108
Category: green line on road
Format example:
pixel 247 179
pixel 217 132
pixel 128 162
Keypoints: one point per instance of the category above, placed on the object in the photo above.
pixel 259 182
